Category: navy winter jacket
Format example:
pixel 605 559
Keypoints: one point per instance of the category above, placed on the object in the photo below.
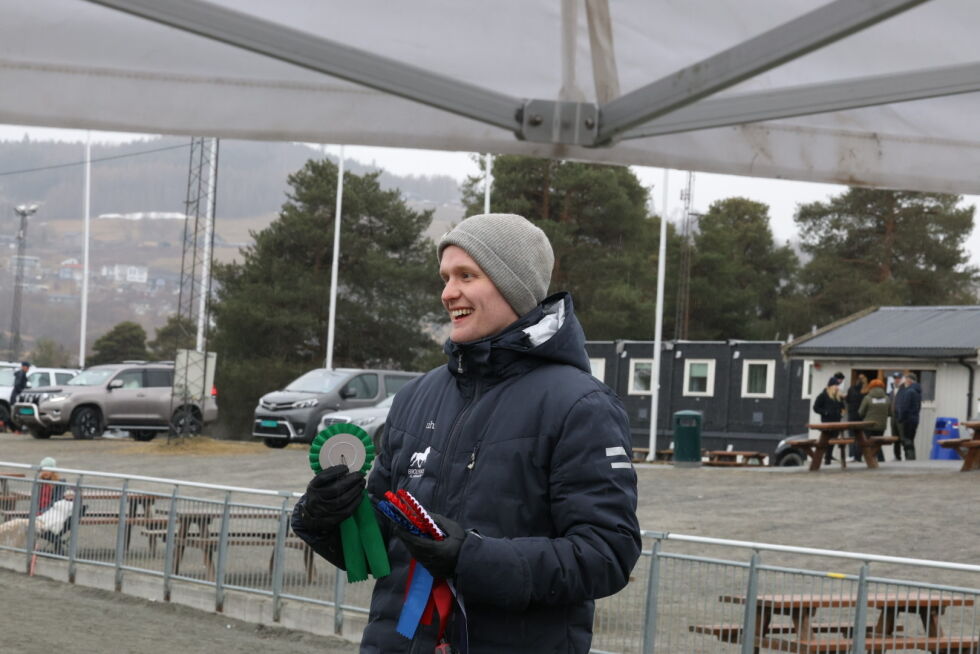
pixel 516 441
pixel 908 403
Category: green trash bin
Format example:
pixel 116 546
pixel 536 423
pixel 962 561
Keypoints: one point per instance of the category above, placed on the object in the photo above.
pixel 687 439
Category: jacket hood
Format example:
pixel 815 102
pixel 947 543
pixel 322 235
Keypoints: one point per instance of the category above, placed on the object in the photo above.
pixel 549 333
pixel 877 392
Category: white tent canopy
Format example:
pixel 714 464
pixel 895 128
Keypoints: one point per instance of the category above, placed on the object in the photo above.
pixel 581 79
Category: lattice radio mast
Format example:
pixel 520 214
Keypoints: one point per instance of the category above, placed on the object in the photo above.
pixel 682 316
pixel 193 307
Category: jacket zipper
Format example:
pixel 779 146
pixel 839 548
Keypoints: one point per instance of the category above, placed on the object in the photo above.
pixel 453 439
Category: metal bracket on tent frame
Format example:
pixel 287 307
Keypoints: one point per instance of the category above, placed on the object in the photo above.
pixel 569 123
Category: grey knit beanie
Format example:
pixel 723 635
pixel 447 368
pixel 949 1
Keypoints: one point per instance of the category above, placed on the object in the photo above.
pixel 512 251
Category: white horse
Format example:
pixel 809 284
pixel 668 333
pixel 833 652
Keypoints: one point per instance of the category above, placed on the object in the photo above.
pixel 419 458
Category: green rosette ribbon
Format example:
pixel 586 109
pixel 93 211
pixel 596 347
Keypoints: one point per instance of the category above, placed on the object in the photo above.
pixel 360 534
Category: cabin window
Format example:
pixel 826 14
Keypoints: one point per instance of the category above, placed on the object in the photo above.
pixel 758 377
pixel 699 378
pixel 806 388
pixel 640 376
pixel 598 367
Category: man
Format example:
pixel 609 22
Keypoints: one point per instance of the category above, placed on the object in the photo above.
pixel 908 403
pixel 895 427
pixel 852 400
pixel 20 383
pixel 527 463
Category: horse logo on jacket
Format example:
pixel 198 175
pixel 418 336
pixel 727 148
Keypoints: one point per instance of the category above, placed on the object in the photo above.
pixel 419 458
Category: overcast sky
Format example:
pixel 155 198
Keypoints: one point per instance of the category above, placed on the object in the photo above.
pixel 782 196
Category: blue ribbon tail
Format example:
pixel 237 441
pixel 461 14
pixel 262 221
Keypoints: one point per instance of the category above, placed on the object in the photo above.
pixel 418 597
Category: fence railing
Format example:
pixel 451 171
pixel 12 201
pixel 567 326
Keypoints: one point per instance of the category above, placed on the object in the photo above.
pixel 686 594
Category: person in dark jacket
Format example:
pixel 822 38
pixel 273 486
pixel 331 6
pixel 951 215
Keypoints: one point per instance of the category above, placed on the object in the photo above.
pixel 521 454
pixel 855 394
pixel 908 404
pixel 830 406
pixel 20 381
pixel 876 408
pixel 895 427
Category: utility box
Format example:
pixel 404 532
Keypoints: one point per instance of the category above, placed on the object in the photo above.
pixel 687 439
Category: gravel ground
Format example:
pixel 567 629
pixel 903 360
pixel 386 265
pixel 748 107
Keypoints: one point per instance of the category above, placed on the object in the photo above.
pixel 45 616
pixel 902 509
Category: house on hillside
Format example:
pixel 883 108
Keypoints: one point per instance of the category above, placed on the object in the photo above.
pixel 939 344
pixel 125 274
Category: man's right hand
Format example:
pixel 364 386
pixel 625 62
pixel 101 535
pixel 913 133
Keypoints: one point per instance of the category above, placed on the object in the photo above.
pixel 331 497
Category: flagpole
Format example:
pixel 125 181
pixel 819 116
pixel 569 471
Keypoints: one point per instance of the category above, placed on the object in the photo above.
pixel 659 326
pixel 334 268
pixel 85 246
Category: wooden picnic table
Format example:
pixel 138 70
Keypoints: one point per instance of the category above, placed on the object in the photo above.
pixel 816 448
pixel 968 448
pixel 884 635
pixel 194 530
pixel 735 458
pixel 5 480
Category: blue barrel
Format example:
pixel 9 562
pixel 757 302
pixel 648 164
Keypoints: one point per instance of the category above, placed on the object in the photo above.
pixel 945 428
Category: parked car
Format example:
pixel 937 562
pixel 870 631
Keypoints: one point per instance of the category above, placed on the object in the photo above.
pixel 36 378
pixel 370 419
pixel 787 454
pixel 293 414
pixel 133 396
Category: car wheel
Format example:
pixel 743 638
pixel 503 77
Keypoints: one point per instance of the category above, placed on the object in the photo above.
pixel 791 458
pixel 377 438
pixel 276 443
pixel 40 433
pixel 5 416
pixel 143 435
pixel 187 421
pixel 87 423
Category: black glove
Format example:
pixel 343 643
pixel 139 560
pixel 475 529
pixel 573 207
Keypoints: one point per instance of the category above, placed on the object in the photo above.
pixel 438 556
pixel 331 497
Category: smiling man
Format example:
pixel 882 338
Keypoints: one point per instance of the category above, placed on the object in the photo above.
pixel 520 452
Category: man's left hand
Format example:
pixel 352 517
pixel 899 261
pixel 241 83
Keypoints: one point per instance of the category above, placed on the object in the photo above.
pixel 438 556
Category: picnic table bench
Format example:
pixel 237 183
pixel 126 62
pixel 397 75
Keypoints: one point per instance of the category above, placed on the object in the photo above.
pixel 803 635
pixel 968 448
pixel 830 436
pixel 735 458
pixel 194 530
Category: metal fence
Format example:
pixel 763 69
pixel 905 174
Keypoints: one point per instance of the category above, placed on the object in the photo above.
pixel 686 594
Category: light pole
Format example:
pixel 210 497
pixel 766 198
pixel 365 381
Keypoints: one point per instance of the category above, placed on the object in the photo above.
pixel 22 210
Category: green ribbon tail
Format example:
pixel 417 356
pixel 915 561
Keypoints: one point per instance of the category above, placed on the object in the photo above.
pixel 350 539
pixel 371 540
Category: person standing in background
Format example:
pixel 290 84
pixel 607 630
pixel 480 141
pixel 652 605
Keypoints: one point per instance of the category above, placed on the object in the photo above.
pixel 895 427
pixel 855 395
pixel 875 407
pixel 829 405
pixel 907 406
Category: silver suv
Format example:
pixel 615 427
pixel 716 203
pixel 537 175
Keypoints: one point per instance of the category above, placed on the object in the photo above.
pixel 36 377
pixel 293 414
pixel 135 397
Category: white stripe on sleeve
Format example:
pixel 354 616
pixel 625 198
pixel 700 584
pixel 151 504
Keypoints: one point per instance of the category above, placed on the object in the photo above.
pixel 615 451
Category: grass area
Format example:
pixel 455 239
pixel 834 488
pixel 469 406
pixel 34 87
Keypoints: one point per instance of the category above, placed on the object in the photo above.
pixel 198 446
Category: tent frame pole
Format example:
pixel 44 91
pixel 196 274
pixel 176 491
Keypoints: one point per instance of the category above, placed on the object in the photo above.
pixel 786 42
pixel 808 99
